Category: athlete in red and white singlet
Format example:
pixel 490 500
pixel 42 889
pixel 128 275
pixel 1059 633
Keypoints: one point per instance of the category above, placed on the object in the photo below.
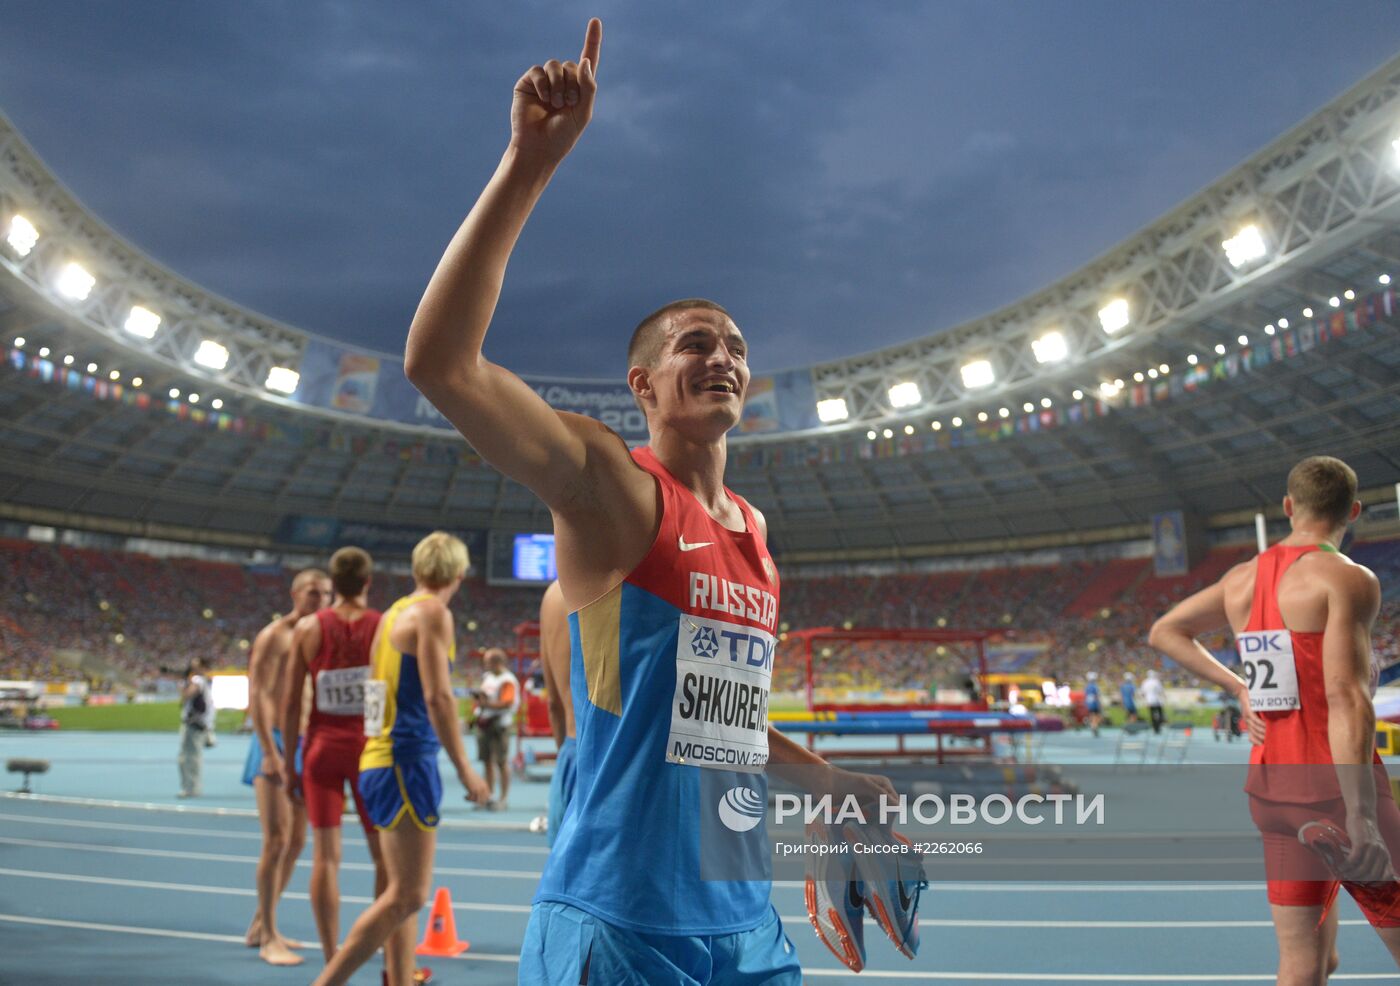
pixel 332 646
pixel 1302 614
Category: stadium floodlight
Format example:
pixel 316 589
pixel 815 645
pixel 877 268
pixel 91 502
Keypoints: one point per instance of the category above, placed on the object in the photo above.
pixel 832 409
pixel 909 429
pixel 1114 316
pixel 142 322
pixel 282 380
pixel 1118 383
pixel 1152 373
pixel 1243 340
pixel 74 282
pixel 1078 395
pixel 1164 369
pixel 1137 377
pixel 937 426
pixel 211 354
pixel 1050 348
pixel 92 367
pixel 68 360
pixel 1307 313
pixel 137 381
pixel 1384 279
pixel 978 373
pixel 887 433
pixel 1268 330
pixel 957 422
pixel 19 342
pixel 22 235
pixel 194 398
pixel 1334 301
pixel 1046 402
pixel 1283 323
pixel 1028 407
pixel 43 352
pixel 1220 349
pixel 1349 294
pixel 870 434
pixel 217 403
pixel 905 394
pixel 981 415
pixel 1107 389
pixel 1245 246
pixel 174 393
pixel 1005 412
pixel 115 375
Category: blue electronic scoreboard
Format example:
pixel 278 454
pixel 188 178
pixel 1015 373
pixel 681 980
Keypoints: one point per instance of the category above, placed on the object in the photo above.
pixel 533 558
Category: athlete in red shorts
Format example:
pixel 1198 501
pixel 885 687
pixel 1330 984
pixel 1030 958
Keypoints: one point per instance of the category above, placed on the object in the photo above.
pixel 333 647
pixel 1302 616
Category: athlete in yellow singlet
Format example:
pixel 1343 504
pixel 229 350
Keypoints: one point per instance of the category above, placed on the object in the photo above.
pixel 410 714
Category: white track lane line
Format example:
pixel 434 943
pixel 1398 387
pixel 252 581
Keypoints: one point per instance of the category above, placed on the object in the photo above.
pixel 905 976
pixel 249 836
pixel 1048 887
pixel 789 920
pixel 223 858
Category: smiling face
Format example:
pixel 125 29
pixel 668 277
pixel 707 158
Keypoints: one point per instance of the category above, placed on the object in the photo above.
pixel 695 375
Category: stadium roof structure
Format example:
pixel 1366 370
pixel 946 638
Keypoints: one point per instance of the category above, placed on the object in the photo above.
pixel 1186 369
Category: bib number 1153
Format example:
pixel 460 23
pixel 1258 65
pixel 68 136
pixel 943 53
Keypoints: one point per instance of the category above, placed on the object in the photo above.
pixel 1267 663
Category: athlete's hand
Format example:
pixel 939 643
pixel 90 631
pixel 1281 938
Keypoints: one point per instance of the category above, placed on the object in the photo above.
pixel 272 767
pixel 554 102
pixel 1252 721
pixel 868 789
pixel 1369 859
pixel 291 783
pixel 477 790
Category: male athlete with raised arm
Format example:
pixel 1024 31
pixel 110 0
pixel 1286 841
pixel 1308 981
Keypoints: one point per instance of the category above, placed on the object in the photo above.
pixel 672 592
pixel 1302 614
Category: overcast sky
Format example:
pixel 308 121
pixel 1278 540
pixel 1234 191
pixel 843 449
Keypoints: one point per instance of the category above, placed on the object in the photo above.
pixel 841 175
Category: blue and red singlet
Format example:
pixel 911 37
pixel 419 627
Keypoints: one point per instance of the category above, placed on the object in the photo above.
pixel 670 676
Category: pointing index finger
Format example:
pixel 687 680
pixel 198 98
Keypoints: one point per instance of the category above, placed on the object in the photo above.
pixel 593 44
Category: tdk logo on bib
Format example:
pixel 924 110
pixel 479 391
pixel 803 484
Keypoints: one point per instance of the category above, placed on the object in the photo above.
pixel 719 713
pixel 1266 660
pixel 741 809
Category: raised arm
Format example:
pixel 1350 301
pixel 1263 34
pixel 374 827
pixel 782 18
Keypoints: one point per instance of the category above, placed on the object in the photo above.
pixel 497 412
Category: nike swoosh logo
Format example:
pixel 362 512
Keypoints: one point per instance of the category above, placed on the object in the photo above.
pixel 692 547
pixel 904 899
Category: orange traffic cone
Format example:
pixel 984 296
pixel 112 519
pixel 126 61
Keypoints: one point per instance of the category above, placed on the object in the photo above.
pixel 440 937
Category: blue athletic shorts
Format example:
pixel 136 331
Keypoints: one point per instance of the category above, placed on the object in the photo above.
pixel 252 766
pixel 561 787
pixel 565 946
pixel 413 788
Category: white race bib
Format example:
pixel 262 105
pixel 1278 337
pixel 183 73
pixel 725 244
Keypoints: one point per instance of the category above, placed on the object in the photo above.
pixel 719 714
pixel 1269 669
pixel 376 694
pixel 341 691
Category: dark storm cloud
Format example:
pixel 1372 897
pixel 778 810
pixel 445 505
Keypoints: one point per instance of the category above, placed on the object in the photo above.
pixel 841 176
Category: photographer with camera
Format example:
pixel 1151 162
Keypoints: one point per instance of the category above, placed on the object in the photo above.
pixel 496 702
pixel 196 721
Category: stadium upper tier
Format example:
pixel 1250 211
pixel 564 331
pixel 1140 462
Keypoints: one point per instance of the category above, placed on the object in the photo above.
pixel 1184 369
pixel 131 614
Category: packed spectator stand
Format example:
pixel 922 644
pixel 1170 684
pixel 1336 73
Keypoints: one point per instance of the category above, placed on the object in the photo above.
pixel 136 618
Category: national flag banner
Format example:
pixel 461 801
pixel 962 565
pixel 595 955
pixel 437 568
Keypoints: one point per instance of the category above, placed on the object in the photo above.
pixel 1138 398
pixel 1339 324
pixel 1365 312
pixel 1290 344
pixel 1161 391
pixel 1276 347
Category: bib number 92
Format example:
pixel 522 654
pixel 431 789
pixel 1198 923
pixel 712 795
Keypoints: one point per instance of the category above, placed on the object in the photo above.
pixel 1267 663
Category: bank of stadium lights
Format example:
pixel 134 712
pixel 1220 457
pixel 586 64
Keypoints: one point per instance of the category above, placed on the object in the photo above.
pixel 1283 323
pixel 193 398
pixel 68 360
pixel 1078 395
pixel 282 380
pixel 1220 349
pixel 937 426
pixel 978 373
pixel 982 416
pixel 211 354
pixel 887 433
pixel 1137 377
pixel 74 282
pixel 1028 407
pixel 1384 279
pixel 1046 402
pixel 19 342
pixel 217 403
pixel 909 429
pixel 1334 301
pixel 142 322
pixel 832 409
pixel 1269 330
pixel 114 375
pixel 174 393
pixel 1114 316
pixel 905 394
pixel 92 367
pixel 137 382
pixel 1245 247
pixel 1050 348
pixel 871 434
pixel 21 236
pixel 1004 412
pixel 1349 294
pixel 957 422
pixel 1243 340
pixel 1307 313
pixel 1152 373
pixel 1164 369
pixel 44 352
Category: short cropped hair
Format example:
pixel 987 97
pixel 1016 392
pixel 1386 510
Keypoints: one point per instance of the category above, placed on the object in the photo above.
pixel 307 575
pixel 645 346
pixel 350 571
pixel 1324 487
pixel 438 559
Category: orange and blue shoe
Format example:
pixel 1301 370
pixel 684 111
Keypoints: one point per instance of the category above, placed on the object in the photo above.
pixel 892 883
pixel 836 899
